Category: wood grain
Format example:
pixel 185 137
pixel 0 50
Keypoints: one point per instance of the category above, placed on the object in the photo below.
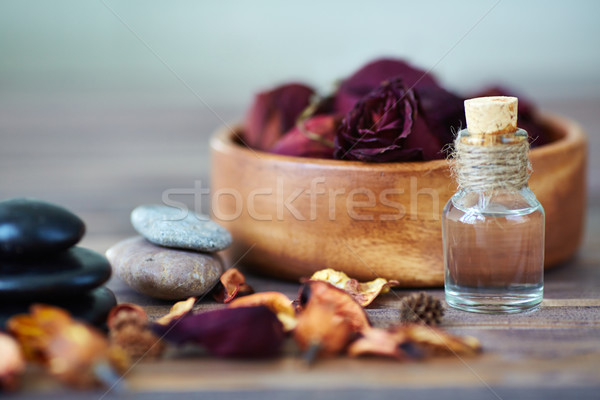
pixel 373 220
pixel 103 161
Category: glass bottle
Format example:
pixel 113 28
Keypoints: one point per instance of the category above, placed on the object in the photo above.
pixel 493 227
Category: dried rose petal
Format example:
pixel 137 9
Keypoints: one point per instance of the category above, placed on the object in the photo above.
pixel 12 363
pixel 69 349
pixel 373 74
pixel 322 328
pixel 435 341
pixel 277 302
pixel 312 138
pixel 125 312
pixel 273 113
pixel 231 285
pixel 364 293
pixel 137 341
pixel 245 332
pixel 129 330
pixel 177 311
pixel 377 342
pixel 342 303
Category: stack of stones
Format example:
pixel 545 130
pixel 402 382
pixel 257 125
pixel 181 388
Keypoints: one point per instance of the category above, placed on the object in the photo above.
pixel 39 263
pixel 174 258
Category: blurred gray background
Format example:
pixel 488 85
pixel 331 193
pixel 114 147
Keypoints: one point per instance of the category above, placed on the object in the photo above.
pixel 105 104
pixel 108 51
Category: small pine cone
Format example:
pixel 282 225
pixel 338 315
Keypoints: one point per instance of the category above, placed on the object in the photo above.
pixel 421 308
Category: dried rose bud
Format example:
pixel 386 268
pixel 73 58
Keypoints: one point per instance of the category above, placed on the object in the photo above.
pixel 439 111
pixel 377 128
pixel 12 362
pixel 372 75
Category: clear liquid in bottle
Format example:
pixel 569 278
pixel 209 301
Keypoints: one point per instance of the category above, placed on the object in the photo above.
pixel 494 251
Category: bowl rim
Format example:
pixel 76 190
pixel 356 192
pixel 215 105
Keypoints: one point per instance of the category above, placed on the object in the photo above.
pixel 568 131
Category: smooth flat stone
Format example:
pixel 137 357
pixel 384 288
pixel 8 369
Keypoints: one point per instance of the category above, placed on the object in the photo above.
pixel 35 228
pixel 172 227
pixel 91 307
pixel 69 273
pixel 164 273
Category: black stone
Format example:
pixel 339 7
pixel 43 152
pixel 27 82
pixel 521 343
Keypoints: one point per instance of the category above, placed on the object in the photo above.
pixel 69 273
pixel 35 228
pixel 91 307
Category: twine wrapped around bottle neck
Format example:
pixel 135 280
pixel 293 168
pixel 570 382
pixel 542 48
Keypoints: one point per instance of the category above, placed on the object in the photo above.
pixel 492 167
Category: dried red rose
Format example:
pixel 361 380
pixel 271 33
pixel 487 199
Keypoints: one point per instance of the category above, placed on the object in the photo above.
pixel 245 332
pixel 369 77
pixel 376 129
pixel 439 111
pixel 274 113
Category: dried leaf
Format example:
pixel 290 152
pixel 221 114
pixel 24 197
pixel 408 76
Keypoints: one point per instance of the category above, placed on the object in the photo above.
pixel 322 329
pixel 277 302
pixel 378 342
pixel 12 363
pixel 246 332
pixel 178 310
pixel 342 303
pixel 69 349
pixel 231 285
pixel 364 293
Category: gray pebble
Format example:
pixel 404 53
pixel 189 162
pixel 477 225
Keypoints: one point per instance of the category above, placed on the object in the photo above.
pixel 164 273
pixel 181 229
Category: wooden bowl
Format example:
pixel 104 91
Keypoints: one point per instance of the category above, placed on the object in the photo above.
pixel 291 216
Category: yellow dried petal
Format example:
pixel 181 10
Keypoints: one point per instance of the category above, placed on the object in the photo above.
pixel 178 310
pixel 363 292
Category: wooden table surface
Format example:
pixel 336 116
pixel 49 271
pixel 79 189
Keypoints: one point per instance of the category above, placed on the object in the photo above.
pixel 102 160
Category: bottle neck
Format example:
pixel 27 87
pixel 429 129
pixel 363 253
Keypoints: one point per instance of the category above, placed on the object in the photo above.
pixel 491 162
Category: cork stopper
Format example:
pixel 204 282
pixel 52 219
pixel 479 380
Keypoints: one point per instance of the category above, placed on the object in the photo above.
pixel 491 115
